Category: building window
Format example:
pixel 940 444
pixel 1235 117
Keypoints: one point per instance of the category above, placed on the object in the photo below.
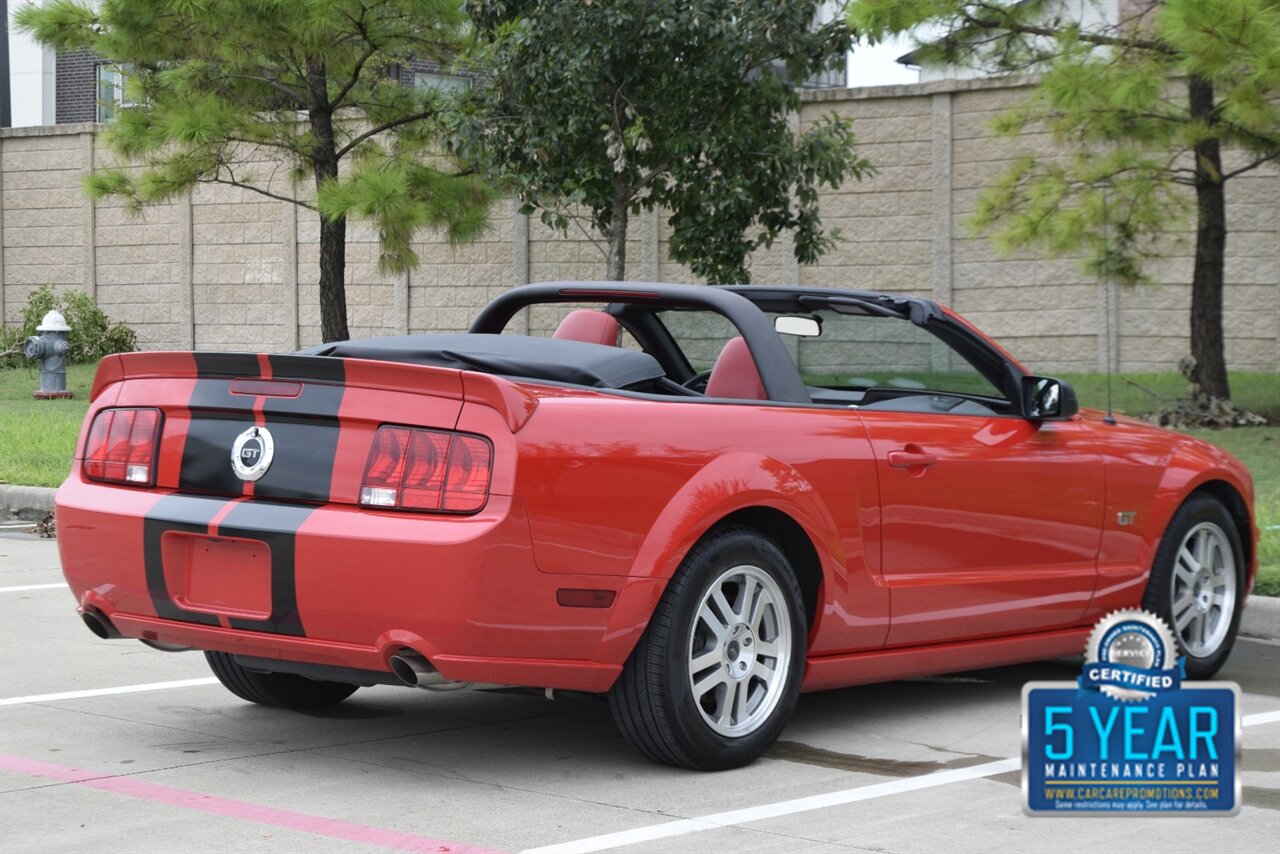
pixel 111 90
pixel 440 82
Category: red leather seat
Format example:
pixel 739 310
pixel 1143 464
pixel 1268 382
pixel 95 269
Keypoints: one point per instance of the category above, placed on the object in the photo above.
pixel 589 326
pixel 735 374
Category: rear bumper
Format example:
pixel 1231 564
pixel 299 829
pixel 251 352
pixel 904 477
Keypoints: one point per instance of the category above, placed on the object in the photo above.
pixel 343 586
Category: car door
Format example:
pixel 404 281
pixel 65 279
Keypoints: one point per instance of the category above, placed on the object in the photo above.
pixel 991 525
pixel 990 522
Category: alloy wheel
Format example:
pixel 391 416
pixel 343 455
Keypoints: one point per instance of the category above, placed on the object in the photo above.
pixel 1203 589
pixel 739 650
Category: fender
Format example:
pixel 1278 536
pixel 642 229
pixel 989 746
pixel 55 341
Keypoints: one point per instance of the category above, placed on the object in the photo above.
pixel 1194 464
pixel 1129 552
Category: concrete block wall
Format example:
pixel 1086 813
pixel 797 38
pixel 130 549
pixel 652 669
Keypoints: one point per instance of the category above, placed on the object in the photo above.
pixel 223 268
pixel 43 215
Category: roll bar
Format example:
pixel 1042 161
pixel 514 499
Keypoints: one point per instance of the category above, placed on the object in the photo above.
pixel 778 372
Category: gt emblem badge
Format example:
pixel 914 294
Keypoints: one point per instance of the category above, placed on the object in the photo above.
pixel 252 453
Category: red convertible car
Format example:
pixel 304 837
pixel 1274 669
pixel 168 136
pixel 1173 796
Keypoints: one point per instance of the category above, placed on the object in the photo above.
pixel 698 500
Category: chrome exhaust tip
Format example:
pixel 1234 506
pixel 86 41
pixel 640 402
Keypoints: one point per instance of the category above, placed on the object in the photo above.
pixel 414 670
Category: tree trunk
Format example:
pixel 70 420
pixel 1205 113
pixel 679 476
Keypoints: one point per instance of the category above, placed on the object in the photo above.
pixel 333 289
pixel 616 259
pixel 333 233
pixel 1207 342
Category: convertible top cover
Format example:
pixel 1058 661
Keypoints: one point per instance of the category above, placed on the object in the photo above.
pixel 552 359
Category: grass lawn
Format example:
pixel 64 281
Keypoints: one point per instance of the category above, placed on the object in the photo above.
pixel 37 436
pixel 1256 392
pixel 1259 449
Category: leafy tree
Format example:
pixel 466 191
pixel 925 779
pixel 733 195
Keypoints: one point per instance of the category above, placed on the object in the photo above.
pixel 1142 108
pixel 223 84
pixel 612 108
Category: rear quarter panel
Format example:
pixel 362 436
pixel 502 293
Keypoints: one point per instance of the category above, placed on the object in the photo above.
pixel 624 487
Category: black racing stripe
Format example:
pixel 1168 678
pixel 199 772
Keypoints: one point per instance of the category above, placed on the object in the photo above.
pixel 320 368
pixel 214 373
pixel 206 456
pixel 276 525
pixel 302 468
pixel 305 430
pixel 227 365
pixel 185 514
pixel 216 394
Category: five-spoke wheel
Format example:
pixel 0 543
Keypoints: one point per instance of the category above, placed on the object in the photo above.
pixel 1203 589
pixel 739 650
pixel 713 680
pixel 1196 582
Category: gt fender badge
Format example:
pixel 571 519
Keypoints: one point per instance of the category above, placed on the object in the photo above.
pixel 252 453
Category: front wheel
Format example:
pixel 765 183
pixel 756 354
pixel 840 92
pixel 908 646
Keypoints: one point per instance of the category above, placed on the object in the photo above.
pixel 716 675
pixel 282 690
pixel 1197 583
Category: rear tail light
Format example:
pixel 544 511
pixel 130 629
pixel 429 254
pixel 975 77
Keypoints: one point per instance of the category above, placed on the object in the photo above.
pixel 432 470
pixel 122 446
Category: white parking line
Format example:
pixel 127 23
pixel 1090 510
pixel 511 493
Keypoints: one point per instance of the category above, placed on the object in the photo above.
pixel 814 802
pixel 103 692
pixel 1260 718
pixel 685 826
pixel 23 587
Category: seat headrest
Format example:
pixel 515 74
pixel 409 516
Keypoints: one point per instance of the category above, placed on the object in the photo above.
pixel 735 374
pixel 588 326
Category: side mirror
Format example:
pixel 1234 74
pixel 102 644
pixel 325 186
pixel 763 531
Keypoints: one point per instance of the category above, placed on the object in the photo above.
pixel 1047 399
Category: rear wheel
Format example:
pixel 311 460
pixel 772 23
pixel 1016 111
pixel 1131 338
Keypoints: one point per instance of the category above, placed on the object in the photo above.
pixel 1197 581
pixel 713 680
pixel 282 690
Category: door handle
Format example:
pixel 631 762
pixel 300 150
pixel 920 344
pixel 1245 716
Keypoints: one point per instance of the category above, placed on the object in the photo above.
pixel 911 457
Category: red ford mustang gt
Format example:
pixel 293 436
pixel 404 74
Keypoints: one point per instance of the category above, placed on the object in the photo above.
pixel 700 500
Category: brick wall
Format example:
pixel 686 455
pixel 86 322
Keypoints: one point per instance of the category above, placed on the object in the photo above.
pixel 76 87
pixel 228 269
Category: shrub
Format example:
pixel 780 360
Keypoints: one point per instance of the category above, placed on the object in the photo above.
pixel 92 335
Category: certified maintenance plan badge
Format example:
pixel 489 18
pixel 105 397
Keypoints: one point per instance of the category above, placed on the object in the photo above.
pixel 1130 737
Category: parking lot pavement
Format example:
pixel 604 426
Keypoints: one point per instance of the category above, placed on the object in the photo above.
pixel 921 765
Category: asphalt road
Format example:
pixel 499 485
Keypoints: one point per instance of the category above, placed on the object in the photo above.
pixel 922 765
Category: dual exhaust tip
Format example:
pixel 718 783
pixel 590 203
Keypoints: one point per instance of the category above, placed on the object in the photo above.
pixel 410 667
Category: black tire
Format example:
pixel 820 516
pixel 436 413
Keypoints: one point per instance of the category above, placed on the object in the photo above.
pixel 1200 512
pixel 281 690
pixel 654 700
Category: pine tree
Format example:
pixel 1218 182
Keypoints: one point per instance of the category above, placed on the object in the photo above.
pixel 1143 108
pixel 220 85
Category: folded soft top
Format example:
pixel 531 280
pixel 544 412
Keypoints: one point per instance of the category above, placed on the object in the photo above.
pixel 556 360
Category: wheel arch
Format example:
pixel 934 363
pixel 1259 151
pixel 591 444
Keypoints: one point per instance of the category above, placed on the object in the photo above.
pixel 748 489
pixel 1200 467
pixel 1238 509
pixel 790 536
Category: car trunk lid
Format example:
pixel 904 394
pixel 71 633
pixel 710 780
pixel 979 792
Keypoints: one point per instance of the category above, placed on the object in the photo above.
pixel 318 414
